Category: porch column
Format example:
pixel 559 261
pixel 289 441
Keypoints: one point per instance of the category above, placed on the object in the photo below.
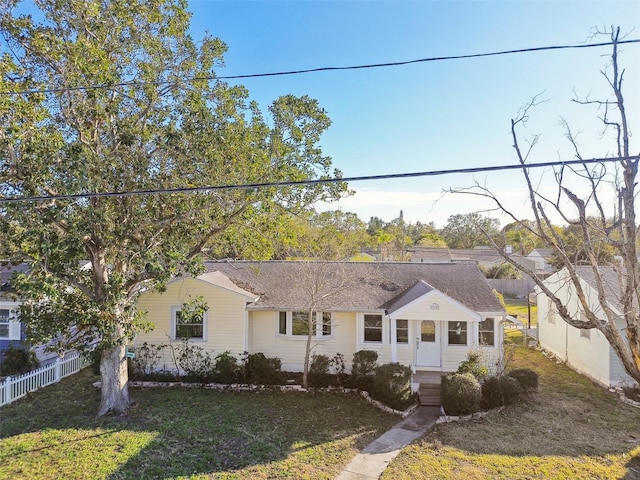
pixel 394 341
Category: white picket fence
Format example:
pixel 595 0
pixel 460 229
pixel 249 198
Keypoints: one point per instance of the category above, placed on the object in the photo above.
pixel 14 388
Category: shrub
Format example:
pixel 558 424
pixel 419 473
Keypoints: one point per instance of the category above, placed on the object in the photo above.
pixel 319 371
pixel 147 357
pixel 491 393
pixel 16 360
pixel 362 370
pixel 527 378
pixel 195 362
pixel 461 393
pixel 392 385
pixel 262 370
pixel 227 369
pixel 500 390
pixel 339 367
pixel 473 365
pixel 511 389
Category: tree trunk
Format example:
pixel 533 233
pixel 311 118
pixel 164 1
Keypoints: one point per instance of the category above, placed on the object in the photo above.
pixel 307 351
pixel 114 377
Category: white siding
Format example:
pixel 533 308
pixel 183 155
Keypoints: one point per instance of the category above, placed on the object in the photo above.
pixel 592 356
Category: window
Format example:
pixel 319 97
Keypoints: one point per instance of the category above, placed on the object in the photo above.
pixel 486 332
pixel 457 333
pixel 373 328
pixel 428 331
pixel 326 323
pixel 402 331
pixel 295 324
pixel 585 333
pixel 299 322
pixel 4 322
pixel 188 328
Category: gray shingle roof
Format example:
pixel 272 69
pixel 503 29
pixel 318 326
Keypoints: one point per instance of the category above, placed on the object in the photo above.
pixel 356 286
pixel 610 281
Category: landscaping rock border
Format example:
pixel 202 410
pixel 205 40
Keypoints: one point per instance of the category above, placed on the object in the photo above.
pixel 247 387
pixel 465 418
pixel 623 398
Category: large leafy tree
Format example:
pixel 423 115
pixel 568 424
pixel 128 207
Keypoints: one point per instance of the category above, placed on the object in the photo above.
pixel 123 104
pixel 469 230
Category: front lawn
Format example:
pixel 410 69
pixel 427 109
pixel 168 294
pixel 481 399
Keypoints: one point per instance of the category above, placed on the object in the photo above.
pixel 185 433
pixel 571 429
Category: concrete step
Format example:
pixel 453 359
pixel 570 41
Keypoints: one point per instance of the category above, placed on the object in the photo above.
pixel 429 394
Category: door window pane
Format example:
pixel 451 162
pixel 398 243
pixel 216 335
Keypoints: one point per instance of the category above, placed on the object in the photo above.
pixel 428 331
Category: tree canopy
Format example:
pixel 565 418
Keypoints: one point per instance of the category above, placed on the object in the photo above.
pixel 122 103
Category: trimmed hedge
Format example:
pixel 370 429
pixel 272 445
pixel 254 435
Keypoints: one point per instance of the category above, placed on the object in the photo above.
pixel 527 378
pixel 392 385
pixel 363 369
pixel 461 393
pixel 499 391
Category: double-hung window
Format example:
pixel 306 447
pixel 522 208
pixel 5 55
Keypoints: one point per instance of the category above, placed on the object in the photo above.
pixel 5 316
pixel 457 333
pixel 188 328
pixel 296 324
pixel 402 331
pixel 373 328
pixel 487 333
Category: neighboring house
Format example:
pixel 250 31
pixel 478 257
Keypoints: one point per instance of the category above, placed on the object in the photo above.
pixel 11 331
pixel 586 351
pixel 540 258
pixel 484 257
pixel 426 316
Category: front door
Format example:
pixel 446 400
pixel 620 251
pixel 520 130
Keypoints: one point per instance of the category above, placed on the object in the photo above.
pixel 428 344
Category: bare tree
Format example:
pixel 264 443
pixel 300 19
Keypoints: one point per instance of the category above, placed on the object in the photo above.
pixel 318 284
pixel 593 215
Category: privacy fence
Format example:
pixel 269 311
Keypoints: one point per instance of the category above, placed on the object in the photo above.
pixel 16 387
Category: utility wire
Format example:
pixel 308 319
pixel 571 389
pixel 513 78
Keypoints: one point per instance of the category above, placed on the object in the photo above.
pixel 321 181
pixel 320 69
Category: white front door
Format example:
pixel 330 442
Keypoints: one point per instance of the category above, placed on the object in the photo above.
pixel 428 344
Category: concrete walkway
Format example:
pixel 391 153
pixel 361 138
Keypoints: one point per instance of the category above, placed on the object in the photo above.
pixel 373 459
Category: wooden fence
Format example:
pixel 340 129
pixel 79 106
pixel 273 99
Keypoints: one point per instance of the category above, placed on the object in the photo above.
pixel 14 388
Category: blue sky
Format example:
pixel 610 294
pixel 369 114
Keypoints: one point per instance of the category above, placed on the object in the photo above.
pixel 429 116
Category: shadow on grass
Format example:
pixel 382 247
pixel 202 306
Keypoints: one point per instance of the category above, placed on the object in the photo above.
pixel 183 432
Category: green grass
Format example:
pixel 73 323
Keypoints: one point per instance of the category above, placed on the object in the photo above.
pixel 518 308
pixel 183 433
pixel 570 429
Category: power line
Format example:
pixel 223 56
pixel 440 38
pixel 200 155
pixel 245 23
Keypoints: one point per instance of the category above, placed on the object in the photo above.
pixel 321 69
pixel 322 181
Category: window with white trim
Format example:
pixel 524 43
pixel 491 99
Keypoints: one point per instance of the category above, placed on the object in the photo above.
pixel 5 316
pixel 458 333
pixel 373 328
pixel 487 332
pixel 192 328
pixel 402 331
pixel 296 324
